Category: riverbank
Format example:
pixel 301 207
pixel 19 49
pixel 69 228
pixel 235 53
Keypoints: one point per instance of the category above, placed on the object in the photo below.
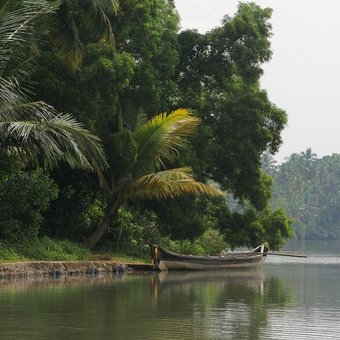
pixel 68 268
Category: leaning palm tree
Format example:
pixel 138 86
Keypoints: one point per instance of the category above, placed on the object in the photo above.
pixel 34 129
pixel 143 153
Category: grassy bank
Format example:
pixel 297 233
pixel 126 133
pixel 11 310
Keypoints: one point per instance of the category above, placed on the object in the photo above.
pixel 43 249
pixel 46 249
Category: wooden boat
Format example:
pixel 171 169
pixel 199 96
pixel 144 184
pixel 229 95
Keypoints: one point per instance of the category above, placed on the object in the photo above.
pixel 166 260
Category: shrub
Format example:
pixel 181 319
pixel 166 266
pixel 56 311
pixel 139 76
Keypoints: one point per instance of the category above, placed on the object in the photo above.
pixel 132 233
pixel 210 242
pixel 23 197
pixel 186 247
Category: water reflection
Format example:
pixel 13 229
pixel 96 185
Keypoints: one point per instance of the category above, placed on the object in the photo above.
pixel 291 299
pixel 193 305
pixel 233 305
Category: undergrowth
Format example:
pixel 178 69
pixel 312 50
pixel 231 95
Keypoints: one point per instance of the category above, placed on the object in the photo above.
pixel 43 249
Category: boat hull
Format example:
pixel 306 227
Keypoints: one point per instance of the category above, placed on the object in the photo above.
pixel 165 260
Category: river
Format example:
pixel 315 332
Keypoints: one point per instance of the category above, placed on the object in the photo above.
pixel 291 298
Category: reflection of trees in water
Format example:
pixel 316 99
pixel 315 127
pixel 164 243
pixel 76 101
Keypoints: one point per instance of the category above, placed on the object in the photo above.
pixel 87 307
pixel 224 304
pixel 274 295
pixel 200 305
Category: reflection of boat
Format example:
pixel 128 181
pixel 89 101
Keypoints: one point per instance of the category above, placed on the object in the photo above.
pixel 232 283
pixel 167 260
pixel 166 277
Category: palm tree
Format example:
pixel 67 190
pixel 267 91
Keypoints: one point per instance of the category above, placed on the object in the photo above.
pixel 144 152
pixel 268 163
pixel 72 16
pixel 34 129
pixel 309 156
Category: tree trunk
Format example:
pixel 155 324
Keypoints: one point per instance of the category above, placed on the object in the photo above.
pixel 111 212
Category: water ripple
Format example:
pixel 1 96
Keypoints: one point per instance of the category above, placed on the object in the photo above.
pixel 297 324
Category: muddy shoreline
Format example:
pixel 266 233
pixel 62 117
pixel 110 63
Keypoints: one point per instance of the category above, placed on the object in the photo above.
pixel 66 268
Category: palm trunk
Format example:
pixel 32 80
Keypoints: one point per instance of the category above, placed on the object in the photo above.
pixel 111 212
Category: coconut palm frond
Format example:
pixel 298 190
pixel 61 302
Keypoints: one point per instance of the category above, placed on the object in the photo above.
pixel 100 10
pixel 15 104
pixel 88 145
pixel 21 69
pixel 171 183
pixel 16 24
pixel 54 138
pixel 29 139
pixel 132 118
pixel 9 98
pixel 109 6
pixel 95 16
pixel 52 141
pixel 66 34
pixel 162 137
pixel 37 130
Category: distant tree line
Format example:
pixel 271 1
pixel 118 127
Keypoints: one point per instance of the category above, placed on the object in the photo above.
pixel 308 188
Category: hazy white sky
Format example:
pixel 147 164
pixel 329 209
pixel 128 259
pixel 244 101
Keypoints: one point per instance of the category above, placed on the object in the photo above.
pixel 303 76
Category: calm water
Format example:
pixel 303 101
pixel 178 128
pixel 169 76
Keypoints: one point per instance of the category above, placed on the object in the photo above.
pixel 290 299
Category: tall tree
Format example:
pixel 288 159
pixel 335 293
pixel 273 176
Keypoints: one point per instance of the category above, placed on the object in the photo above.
pixel 143 153
pixel 219 77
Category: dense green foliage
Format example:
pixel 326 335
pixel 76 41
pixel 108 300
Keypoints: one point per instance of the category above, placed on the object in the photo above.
pixel 114 68
pixel 309 189
pixel 219 75
pixel 23 198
